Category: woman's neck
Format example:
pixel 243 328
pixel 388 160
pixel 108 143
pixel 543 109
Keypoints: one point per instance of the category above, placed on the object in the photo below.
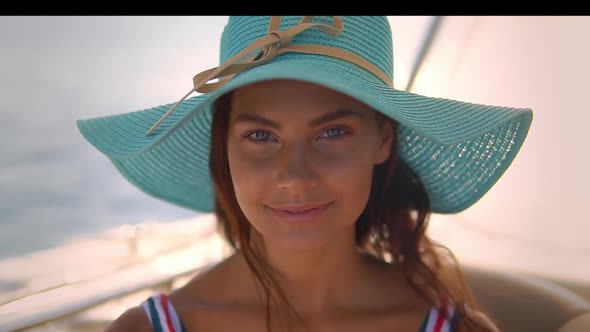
pixel 320 280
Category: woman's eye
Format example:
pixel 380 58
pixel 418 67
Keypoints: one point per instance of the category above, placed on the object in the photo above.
pixel 259 136
pixel 333 132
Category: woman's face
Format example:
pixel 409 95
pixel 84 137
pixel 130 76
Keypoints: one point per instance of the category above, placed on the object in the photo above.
pixel 301 158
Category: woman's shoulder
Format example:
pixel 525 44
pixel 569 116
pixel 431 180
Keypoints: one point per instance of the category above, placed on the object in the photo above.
pixel 202 288
pixel 215 297
pixel 212 284
pixel 132 320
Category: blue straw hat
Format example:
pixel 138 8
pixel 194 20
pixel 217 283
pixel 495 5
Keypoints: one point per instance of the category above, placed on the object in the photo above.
pixel 458 149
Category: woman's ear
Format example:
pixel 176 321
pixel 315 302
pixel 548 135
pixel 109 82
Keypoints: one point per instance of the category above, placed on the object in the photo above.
pixel 386 137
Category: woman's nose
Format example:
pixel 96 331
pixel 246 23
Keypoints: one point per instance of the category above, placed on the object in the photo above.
pixel 294 168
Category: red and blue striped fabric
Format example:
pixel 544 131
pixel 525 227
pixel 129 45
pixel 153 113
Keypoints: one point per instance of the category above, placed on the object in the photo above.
pixel 441 319
pixel 162 314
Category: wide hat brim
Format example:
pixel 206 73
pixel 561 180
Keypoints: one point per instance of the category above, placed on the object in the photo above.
pixel 458 149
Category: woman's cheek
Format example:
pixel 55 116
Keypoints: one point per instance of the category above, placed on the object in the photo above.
pixel 341 156
pixel 248 167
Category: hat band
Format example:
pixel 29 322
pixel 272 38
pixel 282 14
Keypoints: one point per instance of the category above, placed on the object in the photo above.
pixel 276 42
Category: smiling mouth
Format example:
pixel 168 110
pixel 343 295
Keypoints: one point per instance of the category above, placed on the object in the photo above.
pixel 300 213
pixel 297 212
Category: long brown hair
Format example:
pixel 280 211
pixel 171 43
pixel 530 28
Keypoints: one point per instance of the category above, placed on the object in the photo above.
pixel 392 227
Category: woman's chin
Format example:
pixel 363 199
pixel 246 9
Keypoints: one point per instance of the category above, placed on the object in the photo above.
pixel 299 244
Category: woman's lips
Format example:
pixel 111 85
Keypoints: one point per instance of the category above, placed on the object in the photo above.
pixel 299 214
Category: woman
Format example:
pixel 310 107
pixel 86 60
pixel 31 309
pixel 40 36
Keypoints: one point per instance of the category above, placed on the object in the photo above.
pixel 322 176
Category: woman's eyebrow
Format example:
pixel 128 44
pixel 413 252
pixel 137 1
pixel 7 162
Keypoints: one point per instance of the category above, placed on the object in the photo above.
pixel 246 117
pixel 338 114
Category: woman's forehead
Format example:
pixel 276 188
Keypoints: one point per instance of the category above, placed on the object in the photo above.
pixel 277 96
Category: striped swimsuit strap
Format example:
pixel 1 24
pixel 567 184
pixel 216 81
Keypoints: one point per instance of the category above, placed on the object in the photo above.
pixel 162 315
pixel 164 318
pixel 438 321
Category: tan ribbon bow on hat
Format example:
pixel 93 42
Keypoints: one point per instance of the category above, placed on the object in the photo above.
pixel 276 42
